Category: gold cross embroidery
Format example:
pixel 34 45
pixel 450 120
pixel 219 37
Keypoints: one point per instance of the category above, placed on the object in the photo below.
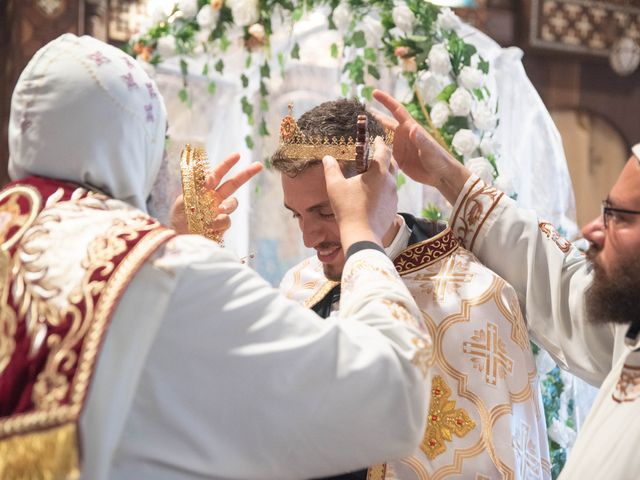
pixel 489 354
pixel 444 420
pixel 447 279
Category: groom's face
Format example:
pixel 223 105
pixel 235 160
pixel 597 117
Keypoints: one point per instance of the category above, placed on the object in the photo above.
pixel 305 196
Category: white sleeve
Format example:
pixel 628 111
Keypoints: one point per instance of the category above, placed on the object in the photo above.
pixel 242 383
pixel 550 275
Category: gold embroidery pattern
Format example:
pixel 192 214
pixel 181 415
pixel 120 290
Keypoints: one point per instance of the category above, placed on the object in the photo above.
pixel 473 211
pixel 527 458
pixel 446 280
pixel 489 354
pixel 425 253
pixel 19 206
pixel 552 234
pixel 423 355
pixel 60 389
pixel 513 314
pixel 444 420
pixel 377 472
pixel 628 386
pixel 320 294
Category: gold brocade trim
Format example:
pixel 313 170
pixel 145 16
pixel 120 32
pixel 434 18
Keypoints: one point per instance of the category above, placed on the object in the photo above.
pixel 377 472
pixel 49 454
pixel 320 294
pixel 17 219
pixel 427 252
pixel 444 420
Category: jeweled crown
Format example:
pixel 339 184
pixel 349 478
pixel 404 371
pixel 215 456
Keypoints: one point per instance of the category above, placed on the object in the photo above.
pixel 295 145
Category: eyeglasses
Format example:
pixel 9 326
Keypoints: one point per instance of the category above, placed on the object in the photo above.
pixel 608 211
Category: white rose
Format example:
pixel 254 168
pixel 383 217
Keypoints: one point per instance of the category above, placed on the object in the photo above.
pixel 483 117
pixel 157 13
pixel 505 184
pixel 487 146
pixel 561 434
pixel 481 167
pixel 403 17
pixel 470 78
pixel 440 113
pixel 430 86
pixel 166 46
pixel 447 20
pixel 460 102
pixel 438 59
pixel 465 142
pixel 188 7
pixel 207 17
pixel 373 30
pixel 202 36
pixel 342 17
pixel 245 12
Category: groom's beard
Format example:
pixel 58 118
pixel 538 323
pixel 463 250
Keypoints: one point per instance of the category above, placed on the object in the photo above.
pixel 614 298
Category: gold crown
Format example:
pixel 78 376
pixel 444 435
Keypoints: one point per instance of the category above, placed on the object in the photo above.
pixel 295 145
pixel 200 204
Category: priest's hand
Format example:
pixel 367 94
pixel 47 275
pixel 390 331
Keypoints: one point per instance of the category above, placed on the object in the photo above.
pixel 418 155
pixel 364 205
pixel 227 204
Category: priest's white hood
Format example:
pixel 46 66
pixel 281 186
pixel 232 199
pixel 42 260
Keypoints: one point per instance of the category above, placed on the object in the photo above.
pixel 86 112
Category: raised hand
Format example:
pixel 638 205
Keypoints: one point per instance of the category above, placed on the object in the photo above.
pixel 364 205
pixel 226 203
pixel 418 154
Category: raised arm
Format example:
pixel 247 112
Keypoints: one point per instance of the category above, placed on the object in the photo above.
pixel 550 276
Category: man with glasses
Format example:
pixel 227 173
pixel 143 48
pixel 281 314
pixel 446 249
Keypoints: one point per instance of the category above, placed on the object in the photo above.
pixel 584 310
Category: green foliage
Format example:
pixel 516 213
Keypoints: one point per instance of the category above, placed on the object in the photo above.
pixel 400 180
pixel 431 212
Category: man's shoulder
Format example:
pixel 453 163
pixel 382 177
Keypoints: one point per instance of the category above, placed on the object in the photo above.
pixel 304 279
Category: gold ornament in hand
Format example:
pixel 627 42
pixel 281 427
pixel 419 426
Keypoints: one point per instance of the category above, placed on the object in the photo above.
pixel 200 203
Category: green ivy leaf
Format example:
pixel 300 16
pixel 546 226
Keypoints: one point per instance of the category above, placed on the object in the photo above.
pixel 297 14
pixel 183 95
pixel 400 180
pixel 483 66
pixel 205 69
pixel 184 67
pixel 370 54
pixel 219 66
pixel 265 71
pixel 245 80
pixel 263 89
pixel 367 92
pixel 247 109
pixel 249 141
pixel 295 51
pixel 262 129
pixel 247 61
pixel 358 39
pixel 373 71
pixel 212 88
pixel 344 89
pixel 478 93
pixel 264 105
pixel 224 43
pixel 446 92
pixel 334 50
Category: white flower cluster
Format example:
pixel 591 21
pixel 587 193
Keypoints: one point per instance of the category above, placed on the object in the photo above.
pixel 471 98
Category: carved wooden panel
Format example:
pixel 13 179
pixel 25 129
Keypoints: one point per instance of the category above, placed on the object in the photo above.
pixel 583 26
pixel 125 18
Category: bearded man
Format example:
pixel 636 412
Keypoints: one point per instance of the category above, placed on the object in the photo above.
pixel 129 352
pixel 485 413
pixel 582 309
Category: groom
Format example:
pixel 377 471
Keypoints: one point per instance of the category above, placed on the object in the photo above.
pixel 485 415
